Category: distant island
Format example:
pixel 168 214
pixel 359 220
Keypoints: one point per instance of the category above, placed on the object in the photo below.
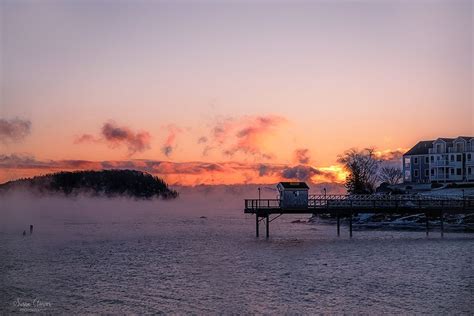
pixel 110 183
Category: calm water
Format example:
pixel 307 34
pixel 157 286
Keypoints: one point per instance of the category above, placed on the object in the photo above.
pixel 89 256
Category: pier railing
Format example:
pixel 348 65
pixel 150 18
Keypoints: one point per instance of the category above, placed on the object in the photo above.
pixel 368 202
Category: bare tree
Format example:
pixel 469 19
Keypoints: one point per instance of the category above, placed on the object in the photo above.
pixel 363 167
pixel 391 175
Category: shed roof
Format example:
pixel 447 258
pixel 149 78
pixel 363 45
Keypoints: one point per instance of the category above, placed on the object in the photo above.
pixel 294 185
pixel 422 148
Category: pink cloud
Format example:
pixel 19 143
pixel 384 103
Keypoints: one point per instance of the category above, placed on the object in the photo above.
pixel 170 141
pixel 245 135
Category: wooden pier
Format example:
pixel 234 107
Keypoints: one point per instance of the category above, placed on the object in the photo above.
pixel 345 206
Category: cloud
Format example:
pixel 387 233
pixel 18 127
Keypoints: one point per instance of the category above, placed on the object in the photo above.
pixel 302 156
pixel 222 129
pixel 246 135
pixel 24 161
pixel 86 138
pixel 390 154
pixel 300 172
pixel 391 157
pixel 250 137
pixel 183 173
pixel 117 136
pixel 202 140
pixel 263 170
pixel 170 141
pixel 14 130
pixel 19 161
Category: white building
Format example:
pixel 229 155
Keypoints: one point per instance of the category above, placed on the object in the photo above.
pixel 450 160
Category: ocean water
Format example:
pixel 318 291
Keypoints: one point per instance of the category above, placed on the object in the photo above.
pixel 118 256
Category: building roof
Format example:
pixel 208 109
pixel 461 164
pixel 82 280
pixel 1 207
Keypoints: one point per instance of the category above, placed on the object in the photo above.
pixel 466 138
pixel 422 148
pixel 446 139
pixel 294 185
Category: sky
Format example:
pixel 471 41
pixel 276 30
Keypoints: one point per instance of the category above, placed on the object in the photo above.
pixel 228 92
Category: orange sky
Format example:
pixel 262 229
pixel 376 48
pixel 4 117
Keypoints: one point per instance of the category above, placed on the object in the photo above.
pixel 251 92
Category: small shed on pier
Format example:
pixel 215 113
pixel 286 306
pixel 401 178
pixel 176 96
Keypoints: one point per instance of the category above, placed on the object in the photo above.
pixel 293 194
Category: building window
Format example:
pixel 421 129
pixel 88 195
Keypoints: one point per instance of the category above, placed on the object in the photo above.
pixel 452 170
pixel 432 158
pixel 415 173
pixel 415 160
pixel 407 162
pixel 438 148
pixel 427 173
pixel 438 157
pixel 458 157
pixel 469 171
pixel 407 175
pixel 432 172
pixel 459 171
pixel 427 160
pixel 469 157
pixel 452 157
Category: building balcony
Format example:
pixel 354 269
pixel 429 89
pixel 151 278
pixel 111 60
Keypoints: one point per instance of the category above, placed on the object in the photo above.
pixel 455 164
pixel 456 150
pixel 434 151
pixel 439 163
pixel 446 164
pixel 439 176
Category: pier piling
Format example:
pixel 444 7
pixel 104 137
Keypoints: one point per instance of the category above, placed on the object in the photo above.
pixel 268 226
pixel 256 223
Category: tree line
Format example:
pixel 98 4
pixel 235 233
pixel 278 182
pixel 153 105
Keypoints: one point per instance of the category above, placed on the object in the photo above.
pixel 130 183
pixel 366 171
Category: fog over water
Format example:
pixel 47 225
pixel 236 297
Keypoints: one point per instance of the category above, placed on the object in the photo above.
pixel 89 255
